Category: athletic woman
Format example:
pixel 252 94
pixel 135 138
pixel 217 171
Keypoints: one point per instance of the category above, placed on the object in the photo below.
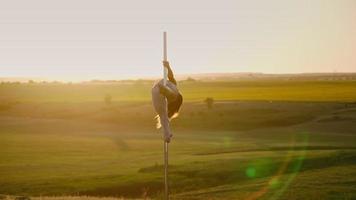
pixel 163 95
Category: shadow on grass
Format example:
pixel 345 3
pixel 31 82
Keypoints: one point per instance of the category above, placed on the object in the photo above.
pixel 200 175
pixel 276 148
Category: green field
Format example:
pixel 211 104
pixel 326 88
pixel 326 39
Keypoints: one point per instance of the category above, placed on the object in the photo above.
pixel 130 91
pixel 263 139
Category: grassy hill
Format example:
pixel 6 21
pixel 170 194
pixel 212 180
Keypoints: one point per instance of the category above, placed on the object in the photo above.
pixel 139 91
pixel 261 140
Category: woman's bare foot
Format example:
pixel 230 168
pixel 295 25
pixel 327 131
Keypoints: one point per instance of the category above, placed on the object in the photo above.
pixel 167 138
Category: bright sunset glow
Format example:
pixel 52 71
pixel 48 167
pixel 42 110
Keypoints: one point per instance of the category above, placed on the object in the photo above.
pixel 255 101
pixel 81 39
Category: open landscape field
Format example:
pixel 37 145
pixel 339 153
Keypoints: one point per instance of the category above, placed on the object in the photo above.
pixel 262 139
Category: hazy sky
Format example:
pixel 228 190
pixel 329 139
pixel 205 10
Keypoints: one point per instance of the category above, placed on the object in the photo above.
pixel 112 39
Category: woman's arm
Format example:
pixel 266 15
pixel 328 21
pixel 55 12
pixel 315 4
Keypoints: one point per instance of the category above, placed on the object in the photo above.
pixel 170 72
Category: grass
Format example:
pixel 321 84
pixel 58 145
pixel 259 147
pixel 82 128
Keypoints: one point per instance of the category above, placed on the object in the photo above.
pixel 293 141
pixel 9 197
pixel 267 90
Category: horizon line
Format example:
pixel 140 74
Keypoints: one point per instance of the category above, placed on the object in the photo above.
pixel 152 77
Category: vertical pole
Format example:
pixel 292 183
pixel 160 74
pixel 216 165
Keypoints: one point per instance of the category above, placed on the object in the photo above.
pixel 165 73
pixel 166 188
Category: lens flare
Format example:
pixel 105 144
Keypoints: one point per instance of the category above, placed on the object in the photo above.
pixel 291 165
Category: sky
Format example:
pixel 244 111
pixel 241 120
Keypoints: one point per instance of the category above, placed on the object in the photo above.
pixel 119 39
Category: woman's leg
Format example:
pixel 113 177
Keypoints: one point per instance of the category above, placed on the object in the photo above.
pixel 160 105
pixel 167 92
pixel 165 125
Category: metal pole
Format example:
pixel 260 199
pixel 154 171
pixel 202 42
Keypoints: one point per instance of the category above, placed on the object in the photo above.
pixel 165 73
pixel 165 46
pixel 166 188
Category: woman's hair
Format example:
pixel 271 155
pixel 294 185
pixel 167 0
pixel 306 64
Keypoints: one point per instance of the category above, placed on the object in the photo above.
pixel 173 109
pixel 174 106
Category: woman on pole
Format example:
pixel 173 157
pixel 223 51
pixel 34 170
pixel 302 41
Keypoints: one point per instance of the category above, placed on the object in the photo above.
pixel 167 101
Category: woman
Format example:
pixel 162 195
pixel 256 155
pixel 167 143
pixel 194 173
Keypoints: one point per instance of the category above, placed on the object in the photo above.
pixel 163 95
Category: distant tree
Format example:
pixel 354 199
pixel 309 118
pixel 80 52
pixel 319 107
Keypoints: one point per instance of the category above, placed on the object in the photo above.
pixel 108 99
pixel 190 79
pixel 209 102
pixel 56 82
pixel 31 81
